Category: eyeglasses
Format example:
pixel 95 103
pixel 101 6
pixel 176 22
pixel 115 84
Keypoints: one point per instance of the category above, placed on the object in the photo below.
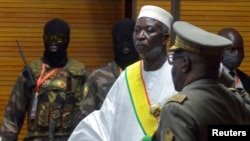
pixel 238 49
pixel 171 58
pixel 55 38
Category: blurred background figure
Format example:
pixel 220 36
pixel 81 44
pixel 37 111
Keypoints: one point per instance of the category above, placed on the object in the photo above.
pixel 233 57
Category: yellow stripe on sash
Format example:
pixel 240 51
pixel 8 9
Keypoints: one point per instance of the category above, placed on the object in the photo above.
pixel 139 98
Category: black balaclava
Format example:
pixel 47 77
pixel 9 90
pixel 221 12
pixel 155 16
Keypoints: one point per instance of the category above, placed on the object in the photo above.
pixel 54 30
pixel 123 45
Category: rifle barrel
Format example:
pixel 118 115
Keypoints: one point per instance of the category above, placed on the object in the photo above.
pixel 21 53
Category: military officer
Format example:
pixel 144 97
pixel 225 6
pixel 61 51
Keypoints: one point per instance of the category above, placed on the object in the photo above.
pixel 201 100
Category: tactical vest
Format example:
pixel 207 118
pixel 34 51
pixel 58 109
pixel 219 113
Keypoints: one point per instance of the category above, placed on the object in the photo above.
pixel 59 99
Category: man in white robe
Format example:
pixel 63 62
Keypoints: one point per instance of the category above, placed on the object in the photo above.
pixel 125 113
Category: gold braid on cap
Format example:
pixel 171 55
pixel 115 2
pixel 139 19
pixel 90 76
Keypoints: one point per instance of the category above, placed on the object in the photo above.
pixel 180 43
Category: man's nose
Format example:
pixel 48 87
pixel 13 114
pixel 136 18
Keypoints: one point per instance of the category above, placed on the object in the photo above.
pixel 142 34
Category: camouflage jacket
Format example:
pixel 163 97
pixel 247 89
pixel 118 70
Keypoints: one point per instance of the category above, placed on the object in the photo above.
pixel 59 98
pixel 97 86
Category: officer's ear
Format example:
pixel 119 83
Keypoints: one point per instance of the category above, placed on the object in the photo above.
pixel 186 65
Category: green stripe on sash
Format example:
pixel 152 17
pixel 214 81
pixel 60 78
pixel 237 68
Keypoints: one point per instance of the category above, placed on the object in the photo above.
pixel 139 98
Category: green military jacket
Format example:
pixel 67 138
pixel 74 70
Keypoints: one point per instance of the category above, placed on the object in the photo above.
pixel 185 116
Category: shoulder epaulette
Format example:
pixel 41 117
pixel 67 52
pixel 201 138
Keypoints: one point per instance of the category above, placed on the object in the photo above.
pixel 232 89
pixel 177 98
pixel 240 91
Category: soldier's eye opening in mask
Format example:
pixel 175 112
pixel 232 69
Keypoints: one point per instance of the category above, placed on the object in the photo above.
pixel 55 38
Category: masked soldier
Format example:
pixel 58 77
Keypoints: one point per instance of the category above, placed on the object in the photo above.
pixel 102 78
pixel 52 102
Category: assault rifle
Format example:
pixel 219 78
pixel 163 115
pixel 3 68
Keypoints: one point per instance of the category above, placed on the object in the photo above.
pixel 27 72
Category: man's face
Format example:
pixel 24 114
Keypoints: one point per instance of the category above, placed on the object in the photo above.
pixel 148 37
pixel 233 57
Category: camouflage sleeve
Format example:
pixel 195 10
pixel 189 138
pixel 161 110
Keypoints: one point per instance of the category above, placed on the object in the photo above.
pixel 15 111
pixel 99 83
pixel 95 90
pixel 96 93
pixel 88 103
pixel 84 90
pixel 90 100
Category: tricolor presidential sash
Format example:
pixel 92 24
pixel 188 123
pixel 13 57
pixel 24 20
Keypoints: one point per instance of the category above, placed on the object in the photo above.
pixel 139 98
